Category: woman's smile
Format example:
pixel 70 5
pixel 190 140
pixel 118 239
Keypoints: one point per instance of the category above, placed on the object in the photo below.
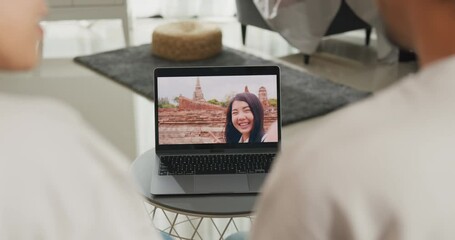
pixel 244 124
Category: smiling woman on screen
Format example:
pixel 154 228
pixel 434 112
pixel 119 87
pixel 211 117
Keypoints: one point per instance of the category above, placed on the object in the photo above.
pixel 245 119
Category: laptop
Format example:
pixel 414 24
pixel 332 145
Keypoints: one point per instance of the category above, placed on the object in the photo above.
pixel 218 129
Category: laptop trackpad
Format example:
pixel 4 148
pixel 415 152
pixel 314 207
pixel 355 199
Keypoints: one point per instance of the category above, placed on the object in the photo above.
pixel 232 183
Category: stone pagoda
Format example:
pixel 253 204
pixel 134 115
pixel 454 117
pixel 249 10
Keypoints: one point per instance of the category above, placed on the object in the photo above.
pixel 263 97
pixel 198 96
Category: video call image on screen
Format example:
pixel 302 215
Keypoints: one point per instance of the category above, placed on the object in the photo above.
pixel 217 109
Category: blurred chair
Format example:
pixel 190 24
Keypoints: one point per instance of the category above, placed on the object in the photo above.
pixel 344 21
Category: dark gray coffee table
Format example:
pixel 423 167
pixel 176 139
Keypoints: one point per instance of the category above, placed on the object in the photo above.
pixel 193 208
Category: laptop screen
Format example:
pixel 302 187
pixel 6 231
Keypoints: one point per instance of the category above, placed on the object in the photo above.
pixel 217 109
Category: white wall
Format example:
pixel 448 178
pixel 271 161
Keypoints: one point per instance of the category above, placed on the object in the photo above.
pixel 183 8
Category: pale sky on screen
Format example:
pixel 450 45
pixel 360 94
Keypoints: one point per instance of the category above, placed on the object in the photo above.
pixel 215 87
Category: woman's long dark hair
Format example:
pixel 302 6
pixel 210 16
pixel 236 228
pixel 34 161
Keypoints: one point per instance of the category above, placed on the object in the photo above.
pixel 231 134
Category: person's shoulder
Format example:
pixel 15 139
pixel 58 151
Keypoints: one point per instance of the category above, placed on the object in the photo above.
pixel 20 112
pixel 29 124
pixel 14 106
pixel 43 134
pixel 373 128
pixel 48 152
pixel 346 130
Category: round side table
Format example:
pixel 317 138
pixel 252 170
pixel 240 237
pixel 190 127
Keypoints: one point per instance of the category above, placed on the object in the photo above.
pixel 222 212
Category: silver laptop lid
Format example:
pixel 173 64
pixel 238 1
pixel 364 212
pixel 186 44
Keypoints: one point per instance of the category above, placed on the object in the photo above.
pixel 217 109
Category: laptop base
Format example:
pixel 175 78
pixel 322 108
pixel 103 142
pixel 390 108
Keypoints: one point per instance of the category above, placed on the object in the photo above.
pixel 203 184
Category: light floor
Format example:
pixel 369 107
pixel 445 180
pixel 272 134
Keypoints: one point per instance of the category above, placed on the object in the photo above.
pixel 126 119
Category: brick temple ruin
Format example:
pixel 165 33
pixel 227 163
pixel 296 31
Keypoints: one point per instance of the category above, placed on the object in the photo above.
pixel 198 121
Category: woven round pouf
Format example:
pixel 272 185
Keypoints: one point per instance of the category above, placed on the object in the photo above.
pixel 186 41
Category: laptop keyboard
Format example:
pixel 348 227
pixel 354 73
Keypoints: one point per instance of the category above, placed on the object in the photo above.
pixel 216 164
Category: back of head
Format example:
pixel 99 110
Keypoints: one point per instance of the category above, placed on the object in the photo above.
pixel 21 33
pixel 423 26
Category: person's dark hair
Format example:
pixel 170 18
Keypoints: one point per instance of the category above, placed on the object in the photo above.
pixel 232 135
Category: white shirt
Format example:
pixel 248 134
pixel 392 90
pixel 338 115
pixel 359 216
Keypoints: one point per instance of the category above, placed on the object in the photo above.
pixel 248 139
pixel 381 169
pixel 60 180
